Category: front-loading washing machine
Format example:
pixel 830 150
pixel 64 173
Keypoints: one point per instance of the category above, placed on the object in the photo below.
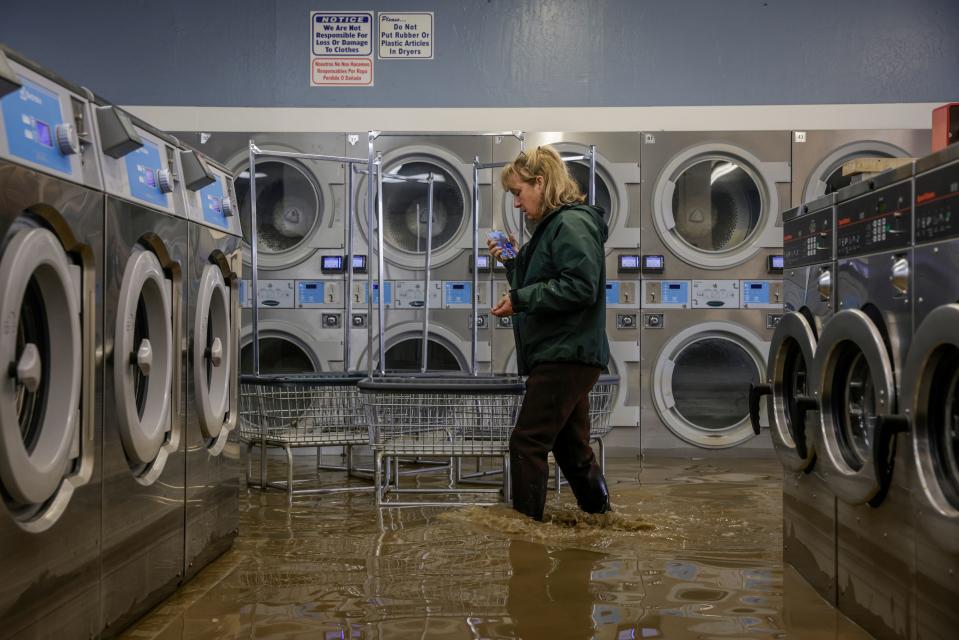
pixel 809 520
pixel 818 156
pixel 300 203
pixel 703 344
pixel 51 300
pixel 616 187
pixel 144 305
pixel 713 201
pixel 930 396
pixel 212 365
pixel 450 158
pixel 857 377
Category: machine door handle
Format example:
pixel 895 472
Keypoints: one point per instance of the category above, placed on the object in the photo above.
pixel 30 368
pixel 143 358
pixel 756 392
pixel 885 450
pixel 215 352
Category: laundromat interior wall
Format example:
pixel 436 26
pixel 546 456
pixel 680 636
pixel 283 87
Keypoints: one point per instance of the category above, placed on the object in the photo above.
pixel 508 53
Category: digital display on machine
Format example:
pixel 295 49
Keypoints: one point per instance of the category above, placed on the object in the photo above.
pixel 628 264
pixel 44 134
pixel 482 262
pixel 331 264
pixel 149 177
pixel 653 264
pixel 359 264
pixel 459 287
pixel 776 264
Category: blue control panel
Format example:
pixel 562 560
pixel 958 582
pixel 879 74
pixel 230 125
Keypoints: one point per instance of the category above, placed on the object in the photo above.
pixel 457 293
pixel 30 118
pixel 755 292
pixel 675 292
pixel 143 175
pixel 211 199
pixel 376 297
pixel 310 291
pixel 612 292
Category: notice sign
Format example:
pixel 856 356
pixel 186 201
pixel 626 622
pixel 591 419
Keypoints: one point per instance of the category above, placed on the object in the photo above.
pixel 407 36
pixel 341 51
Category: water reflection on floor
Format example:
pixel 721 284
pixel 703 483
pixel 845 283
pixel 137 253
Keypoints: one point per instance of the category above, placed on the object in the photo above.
pixel 695 551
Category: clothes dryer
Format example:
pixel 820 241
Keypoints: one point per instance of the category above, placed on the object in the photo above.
pixel 450 159
pixel 143 458
pixel 300 203
pixel 929 396
pixel 703 343
pixel 211 363
pixel 809 521
pixel 713 201
pixel 617 191
pixel 858 376
pixel 51 300
pixel 818 156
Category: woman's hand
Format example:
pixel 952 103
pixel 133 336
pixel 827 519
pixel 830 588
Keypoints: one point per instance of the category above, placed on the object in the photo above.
pixel 504 307
pixel 496 251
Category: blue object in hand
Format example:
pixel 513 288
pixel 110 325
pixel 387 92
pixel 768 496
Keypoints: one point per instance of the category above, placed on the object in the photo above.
pixel 502 241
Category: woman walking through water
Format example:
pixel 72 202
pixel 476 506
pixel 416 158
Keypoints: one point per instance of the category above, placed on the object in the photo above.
pixel 558 282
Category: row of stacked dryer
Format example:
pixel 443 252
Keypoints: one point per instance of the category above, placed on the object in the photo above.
pixel 693 256
pixel 863 374
pixel 118 265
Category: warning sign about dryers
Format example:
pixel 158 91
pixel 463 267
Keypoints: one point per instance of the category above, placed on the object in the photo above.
pixel 341 49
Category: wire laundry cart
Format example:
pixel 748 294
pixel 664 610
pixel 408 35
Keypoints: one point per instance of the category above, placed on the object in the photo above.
pixel 300 410
pixel 438 415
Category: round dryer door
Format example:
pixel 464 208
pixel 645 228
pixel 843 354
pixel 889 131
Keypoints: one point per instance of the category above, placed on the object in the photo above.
pixel 932 399
pixel 788 370
pixel 404 349
pixel 854 380
pixel 290 211
pixel 278 354
pixel 40 338
pixel 143 362
pixel 715 206
pixel 827 176
pixel 406 204
pixel 212 357
pixel 701 383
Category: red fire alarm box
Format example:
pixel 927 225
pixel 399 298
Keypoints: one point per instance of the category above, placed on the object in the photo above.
pixel 945 125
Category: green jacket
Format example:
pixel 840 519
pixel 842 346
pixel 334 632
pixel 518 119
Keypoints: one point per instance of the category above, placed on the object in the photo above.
pixel 558 282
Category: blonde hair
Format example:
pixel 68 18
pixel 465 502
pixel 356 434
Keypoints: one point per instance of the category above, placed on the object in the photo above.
pixel 559 188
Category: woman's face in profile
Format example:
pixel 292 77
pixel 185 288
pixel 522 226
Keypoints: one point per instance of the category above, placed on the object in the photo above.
pixel 527 197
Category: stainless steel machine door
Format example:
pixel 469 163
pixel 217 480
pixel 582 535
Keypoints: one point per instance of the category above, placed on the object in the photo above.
pixel 789 371
pixel 853 375
pixel 213 353
pixel 40 402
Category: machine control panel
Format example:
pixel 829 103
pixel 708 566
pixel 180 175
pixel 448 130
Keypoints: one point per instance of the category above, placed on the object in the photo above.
pixel 808 239
pixel 361 293
pixel 315 294
pixel 715 294
pixel 621 294
pixel 665 294
pixel 937 204
pixel 877 221
pixel 456 294
pixel 271 294
pixel 762 294
pixel 36 128
pixel 409 294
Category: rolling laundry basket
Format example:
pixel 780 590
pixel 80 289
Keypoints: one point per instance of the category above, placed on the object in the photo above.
pixel 437 415
pixel 300 410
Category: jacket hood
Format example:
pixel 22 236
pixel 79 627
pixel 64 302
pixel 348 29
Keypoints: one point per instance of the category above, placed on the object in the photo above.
pixel 599 212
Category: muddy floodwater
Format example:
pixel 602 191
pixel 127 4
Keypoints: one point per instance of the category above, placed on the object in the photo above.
pixel 693 549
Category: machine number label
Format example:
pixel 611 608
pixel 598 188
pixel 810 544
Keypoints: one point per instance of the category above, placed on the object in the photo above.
pixel 341 49
pixel 406 36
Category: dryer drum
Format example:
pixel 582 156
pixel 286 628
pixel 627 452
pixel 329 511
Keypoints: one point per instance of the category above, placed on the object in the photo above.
pixel 405 206
pixel 943 421
pixel 406 355
pixel 289 205
pixel 710 383
pixel 716 204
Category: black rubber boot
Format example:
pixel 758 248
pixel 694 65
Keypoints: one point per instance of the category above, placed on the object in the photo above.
pixel 591 491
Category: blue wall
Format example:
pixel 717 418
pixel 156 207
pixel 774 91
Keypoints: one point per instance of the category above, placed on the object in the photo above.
pixel 507 53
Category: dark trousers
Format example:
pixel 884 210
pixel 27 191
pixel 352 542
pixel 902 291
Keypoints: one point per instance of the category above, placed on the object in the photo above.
pixel 555 417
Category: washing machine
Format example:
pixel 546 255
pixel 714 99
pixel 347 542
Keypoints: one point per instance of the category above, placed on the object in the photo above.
pixel 712 203
pixel 617 190
pixel 857 375
pixel 809 522
pixel 211 363
pixel 818 156
pixel 703 343
pixel 51 253
pixel 300 204
pixel 449 337
pixel 145 261
pixel 450 158
pixel 929 396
